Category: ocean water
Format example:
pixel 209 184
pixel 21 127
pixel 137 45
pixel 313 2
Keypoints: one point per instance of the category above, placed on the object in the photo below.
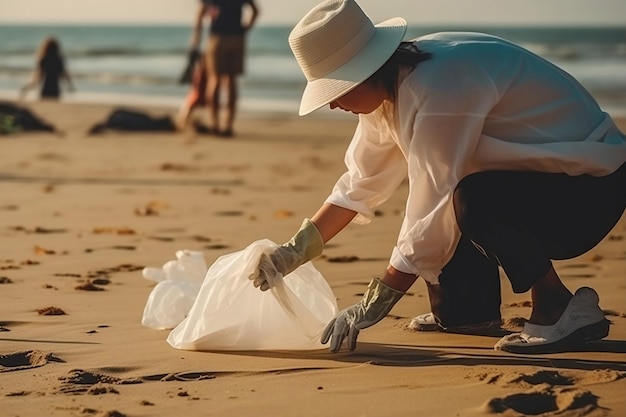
pixel 131 64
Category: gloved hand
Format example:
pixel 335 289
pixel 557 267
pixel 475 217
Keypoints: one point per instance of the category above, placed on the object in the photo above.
pixel 305 245
pixel 376 303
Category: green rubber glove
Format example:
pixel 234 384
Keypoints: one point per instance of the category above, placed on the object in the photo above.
pixel 376 303
pixel 305 245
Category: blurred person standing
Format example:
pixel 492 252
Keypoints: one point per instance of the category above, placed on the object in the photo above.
pixel 224 54
pixel 196 97
pixel 50 70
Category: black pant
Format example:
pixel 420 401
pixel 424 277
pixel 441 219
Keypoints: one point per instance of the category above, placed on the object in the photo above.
pixel 468 290
pixel 521 221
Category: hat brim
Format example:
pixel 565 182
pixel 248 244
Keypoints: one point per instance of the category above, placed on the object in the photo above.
pixel 387 37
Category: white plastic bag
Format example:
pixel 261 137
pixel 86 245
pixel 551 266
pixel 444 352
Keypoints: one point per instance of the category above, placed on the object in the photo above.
pixel 230 314
pixel 178 284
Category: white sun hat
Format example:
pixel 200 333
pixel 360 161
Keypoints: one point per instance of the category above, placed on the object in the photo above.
pixel 338 47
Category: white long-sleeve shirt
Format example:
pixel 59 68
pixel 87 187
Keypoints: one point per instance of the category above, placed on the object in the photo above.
pixel 480 103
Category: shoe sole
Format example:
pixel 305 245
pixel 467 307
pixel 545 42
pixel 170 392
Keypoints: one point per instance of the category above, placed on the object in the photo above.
pixel 590 333
pixel 467 329
pixel 424 327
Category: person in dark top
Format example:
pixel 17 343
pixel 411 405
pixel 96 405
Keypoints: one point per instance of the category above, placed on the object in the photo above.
pixel 224 54
pixel 50 70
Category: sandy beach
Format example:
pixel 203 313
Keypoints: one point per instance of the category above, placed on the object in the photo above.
pixel 82 215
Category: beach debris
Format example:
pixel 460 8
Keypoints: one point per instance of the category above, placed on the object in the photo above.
pixel 88 286
pixel 283 214
pixel 114 231
pixel 220 191
pixel 173 166
pixel 43 251
pixel 199 238
pixel 216 246
pixel 5 280
pixel 229 213
pixel 98 413
pixel 119 268
pixel 51 311
pixel 37 230
pixel 152 208
pixel 116 247
pixel 124 247
pixel 162 238
pixel 343 259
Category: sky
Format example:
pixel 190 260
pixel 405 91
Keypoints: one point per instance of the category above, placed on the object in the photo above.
pixel 493 12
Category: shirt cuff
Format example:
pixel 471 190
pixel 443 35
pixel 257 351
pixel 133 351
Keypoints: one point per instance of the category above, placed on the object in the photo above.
pixel 403 264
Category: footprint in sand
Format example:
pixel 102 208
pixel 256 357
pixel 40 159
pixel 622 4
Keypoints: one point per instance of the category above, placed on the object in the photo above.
pixel 79 381
pixel 545 402
pixel 552 378
pixel 28 359
pixel 550 393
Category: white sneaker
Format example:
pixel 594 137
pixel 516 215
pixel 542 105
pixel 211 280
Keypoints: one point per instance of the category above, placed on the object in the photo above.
pixel 424 323
pixel 427 323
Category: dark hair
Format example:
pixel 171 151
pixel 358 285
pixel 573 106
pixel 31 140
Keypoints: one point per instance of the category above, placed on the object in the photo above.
pixel 49 48
pixel 406 55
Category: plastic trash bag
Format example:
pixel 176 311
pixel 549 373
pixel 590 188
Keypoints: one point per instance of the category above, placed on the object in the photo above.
pixel 178 284
pixel 230 314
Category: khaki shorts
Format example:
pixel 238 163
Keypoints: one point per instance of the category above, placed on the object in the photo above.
pixel 224 54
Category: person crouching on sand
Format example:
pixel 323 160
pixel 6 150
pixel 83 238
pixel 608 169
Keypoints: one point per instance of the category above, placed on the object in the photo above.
pixel 511 163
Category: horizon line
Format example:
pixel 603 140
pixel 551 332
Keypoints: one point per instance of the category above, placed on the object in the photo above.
pixel 615 25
